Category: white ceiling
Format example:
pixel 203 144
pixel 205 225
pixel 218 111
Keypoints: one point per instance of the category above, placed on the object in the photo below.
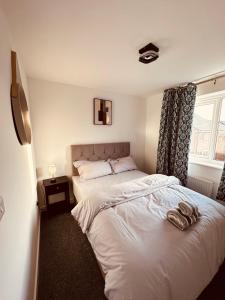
pixel 95 43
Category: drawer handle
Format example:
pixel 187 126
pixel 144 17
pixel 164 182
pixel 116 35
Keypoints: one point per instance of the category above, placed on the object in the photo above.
pixel 57 187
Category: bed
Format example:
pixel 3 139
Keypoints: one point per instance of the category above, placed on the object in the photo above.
pixel 142 255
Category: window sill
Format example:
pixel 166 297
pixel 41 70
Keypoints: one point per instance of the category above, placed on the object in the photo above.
pixel 211 163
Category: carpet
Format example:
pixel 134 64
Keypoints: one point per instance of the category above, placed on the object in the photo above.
pixel 67 266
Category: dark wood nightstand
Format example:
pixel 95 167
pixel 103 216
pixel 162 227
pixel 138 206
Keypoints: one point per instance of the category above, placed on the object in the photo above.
pixel 61 185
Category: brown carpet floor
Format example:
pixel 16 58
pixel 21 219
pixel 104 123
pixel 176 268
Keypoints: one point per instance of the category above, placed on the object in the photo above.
pixel 68 269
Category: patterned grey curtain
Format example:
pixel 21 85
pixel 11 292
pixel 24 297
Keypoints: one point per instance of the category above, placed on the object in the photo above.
pixel 175 131
pixel 221 190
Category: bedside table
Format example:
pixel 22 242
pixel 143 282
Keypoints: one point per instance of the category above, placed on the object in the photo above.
pixel 61 185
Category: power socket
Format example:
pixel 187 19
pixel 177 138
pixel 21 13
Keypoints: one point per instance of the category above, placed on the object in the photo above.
pixel 2 208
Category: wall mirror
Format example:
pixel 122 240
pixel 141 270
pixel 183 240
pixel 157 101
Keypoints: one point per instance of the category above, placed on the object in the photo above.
pixel 102 112
pixel 20 113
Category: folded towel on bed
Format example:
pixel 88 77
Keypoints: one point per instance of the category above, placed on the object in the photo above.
pixel 182 220
pixel 195 209
pixel 177 219
pixel 188 209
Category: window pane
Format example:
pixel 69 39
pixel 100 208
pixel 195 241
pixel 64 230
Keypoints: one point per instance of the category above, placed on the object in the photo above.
pixel 220 144
pixel 202 130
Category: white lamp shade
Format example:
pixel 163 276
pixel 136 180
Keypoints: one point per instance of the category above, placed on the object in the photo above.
pixel 52 171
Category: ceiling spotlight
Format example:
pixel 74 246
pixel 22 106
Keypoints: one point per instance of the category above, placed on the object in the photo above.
pixel 148 54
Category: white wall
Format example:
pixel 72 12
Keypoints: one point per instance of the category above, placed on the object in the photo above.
pixel 18 227
pixel 63 115
pixel 153 112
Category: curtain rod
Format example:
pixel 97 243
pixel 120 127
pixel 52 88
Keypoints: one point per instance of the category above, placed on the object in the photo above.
pixel 214 78
pixel 202 80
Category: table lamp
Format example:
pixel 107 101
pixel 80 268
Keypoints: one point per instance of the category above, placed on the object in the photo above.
pixel 52 172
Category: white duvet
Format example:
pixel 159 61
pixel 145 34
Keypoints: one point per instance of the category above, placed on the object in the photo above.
pixel 82 189
pixel 143 256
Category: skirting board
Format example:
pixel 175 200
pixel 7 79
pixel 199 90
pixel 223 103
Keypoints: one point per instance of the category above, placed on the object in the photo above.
pixel 37 258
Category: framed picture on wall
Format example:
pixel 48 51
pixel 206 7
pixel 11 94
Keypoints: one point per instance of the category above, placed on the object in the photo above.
pixel 20 112
pixel 102 112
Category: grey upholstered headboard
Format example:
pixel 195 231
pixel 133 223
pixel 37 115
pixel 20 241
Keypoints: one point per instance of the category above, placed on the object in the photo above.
pixel 98 152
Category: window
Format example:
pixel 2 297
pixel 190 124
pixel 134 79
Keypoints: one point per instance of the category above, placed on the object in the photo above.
pixel 220 142
pixel 208 129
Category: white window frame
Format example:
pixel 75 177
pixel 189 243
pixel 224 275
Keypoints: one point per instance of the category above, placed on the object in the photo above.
pixel 215 99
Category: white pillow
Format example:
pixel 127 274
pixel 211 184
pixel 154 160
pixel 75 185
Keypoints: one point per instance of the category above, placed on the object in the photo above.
pixel 92 169
pixel 123 164
pixel 79 163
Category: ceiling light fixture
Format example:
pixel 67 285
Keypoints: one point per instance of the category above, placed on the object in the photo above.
pixel 148 54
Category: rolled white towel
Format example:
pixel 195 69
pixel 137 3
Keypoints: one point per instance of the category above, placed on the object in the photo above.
pixel 176 218
pixel 185 208
pixel 195 208
pixel 191 219
pixel 188 208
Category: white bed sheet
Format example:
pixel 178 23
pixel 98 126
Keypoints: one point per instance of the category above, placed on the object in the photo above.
pixel 143 255
pixel 82 189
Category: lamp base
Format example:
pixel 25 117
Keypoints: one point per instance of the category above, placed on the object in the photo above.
pixel 53 180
